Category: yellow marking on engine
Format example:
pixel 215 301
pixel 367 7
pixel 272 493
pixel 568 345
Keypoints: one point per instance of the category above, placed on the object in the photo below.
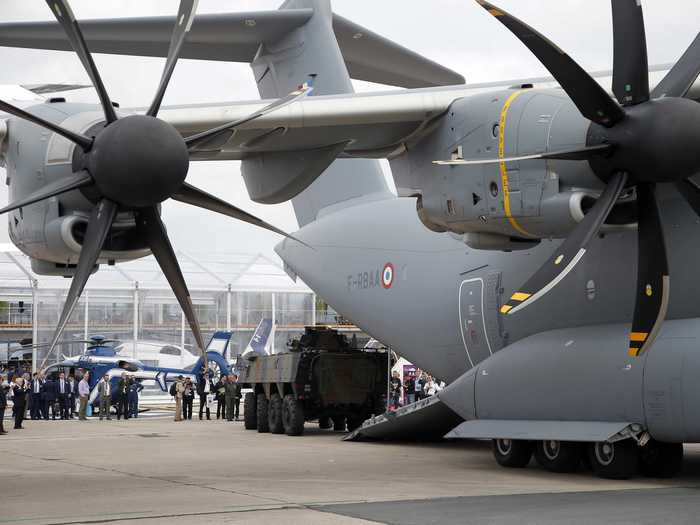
pixel 639 336
pixel 506 308
pixel 520 296
pixel 502 165
pixel 634 352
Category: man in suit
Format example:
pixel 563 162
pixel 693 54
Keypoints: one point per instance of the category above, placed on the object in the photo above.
pixel 104 388
pixel 35 396
pixel 204 390
pixel 50 397
pixel 72 396
pixel 19 396
pixel 63 394
pixel 4 388
pixel 123 396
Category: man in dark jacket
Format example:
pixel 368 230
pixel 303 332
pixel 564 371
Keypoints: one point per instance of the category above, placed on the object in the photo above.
pixel 35 389
pixel 231 390
pixel 123 397
pixel 220 389
pixel 204 389
pixel 134 388
pixel 63 390
pixel 19 397
pixel 4 388
pixel 49 398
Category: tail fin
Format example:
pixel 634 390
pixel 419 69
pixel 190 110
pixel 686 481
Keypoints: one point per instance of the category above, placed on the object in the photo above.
pixel 312 51
pixel 259 340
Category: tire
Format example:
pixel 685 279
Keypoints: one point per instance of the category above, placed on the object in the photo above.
pixel 274 414
pixel 262 410
pixel 338 424
pixel 512 453
pixel 292 416
pixel 250 412
pixel 618 460
pixel 324 423
pixel 661 460
pixel 354 423
pixel 558 456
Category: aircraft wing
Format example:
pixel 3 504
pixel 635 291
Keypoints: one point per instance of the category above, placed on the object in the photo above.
pixel 374 125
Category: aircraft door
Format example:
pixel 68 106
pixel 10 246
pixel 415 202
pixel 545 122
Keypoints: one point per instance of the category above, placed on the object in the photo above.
pixel 478 315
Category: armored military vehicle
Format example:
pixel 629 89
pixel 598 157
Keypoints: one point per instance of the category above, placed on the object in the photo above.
pixel 320 377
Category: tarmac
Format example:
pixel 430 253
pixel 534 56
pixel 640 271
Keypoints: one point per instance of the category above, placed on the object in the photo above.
pixel 156 471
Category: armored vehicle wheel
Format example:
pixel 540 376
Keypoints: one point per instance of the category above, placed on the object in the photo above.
pixel 558 456
pixel 661 460
pixel 513 453
pixel 354 422
pixel 293 416
pixel 339 424
pixel 274 414
pixel 618 460
pixel 263 407
pixel 250 412
pixel 324 423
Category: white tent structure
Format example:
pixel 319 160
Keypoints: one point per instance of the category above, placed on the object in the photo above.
pixel 132 301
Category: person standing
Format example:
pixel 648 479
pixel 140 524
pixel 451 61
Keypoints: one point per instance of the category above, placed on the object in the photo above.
pixel 50 397
pixel 63 395
pixel 19 394
pixel 72 396
pixel 178 390
pixel 4 389
pixel 35 397
pixel 83 393
pixel 123 397
pixel 104 389
pixel 220 390
pixel 230 394
pixel 236 397
pixel 188 399
pixel 395 390
pixel 134 388
pixel 409 386
pixel 203 390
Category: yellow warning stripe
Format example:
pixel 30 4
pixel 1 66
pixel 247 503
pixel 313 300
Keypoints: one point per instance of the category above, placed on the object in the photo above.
pixel 506 308
pixel 520 296
pixel 639 336
pixel 634 352
pixel 502 165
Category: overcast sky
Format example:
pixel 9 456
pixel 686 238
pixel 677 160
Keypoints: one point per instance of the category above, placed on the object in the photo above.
pixel 456 33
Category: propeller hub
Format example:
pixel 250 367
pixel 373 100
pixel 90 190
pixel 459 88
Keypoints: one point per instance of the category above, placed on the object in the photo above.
pixel 658 141
pixel 138 161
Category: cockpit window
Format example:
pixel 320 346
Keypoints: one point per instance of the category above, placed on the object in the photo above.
pixel 170 350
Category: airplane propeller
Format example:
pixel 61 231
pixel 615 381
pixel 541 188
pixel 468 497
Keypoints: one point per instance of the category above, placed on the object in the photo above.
pixel 132 164
pixel 643 139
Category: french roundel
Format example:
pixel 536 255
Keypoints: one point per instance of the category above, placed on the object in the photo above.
pixel 388 275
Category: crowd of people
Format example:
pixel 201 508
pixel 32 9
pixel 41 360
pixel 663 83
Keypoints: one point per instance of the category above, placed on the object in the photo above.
pixel 226 392
pixel 414 387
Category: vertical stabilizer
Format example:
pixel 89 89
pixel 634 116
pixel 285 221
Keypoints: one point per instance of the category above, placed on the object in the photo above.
pixel 259 340
pixel 312 52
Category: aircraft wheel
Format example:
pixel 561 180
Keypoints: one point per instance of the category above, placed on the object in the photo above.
pixel 293 416
pixel 250 412
pixel 513 453
pixel 661 460
pixel 274 414
pixel 558 456
pixel 263 407
pixel 618 460
pixel 324 423
pixel 338 424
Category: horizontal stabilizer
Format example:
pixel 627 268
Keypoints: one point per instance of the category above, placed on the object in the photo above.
pixel 236 37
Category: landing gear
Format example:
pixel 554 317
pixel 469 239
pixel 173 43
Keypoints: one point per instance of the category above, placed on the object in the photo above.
pixel 263 407
pixel 250 412
pixel 274 415
pixel 661 460
pixel 324 422
pixel 338 424
pixel 618 460
pixel 513 453
pixel 558 456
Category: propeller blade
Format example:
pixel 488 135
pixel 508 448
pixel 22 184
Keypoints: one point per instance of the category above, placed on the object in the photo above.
pixel 64 14
pixel 150 223
pixel 183 24
pixel 201 199
pixel 691 193
pixel 567 256
pixel 653 281
pixel 630 64
pixel 75 181
pixel 98 227
pixel 568 154
pixel 590 98
pixel 204 136
pixel 683 74
pixel 81 140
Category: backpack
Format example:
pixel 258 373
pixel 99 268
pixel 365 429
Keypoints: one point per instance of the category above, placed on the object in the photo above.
pixel 173 390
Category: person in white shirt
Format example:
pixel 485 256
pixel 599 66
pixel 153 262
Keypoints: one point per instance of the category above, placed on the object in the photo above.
pixel 83 392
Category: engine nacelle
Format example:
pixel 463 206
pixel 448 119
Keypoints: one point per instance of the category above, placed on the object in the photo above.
pixel 498 206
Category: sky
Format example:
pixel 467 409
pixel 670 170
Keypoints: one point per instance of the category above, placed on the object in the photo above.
pixel 456 33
